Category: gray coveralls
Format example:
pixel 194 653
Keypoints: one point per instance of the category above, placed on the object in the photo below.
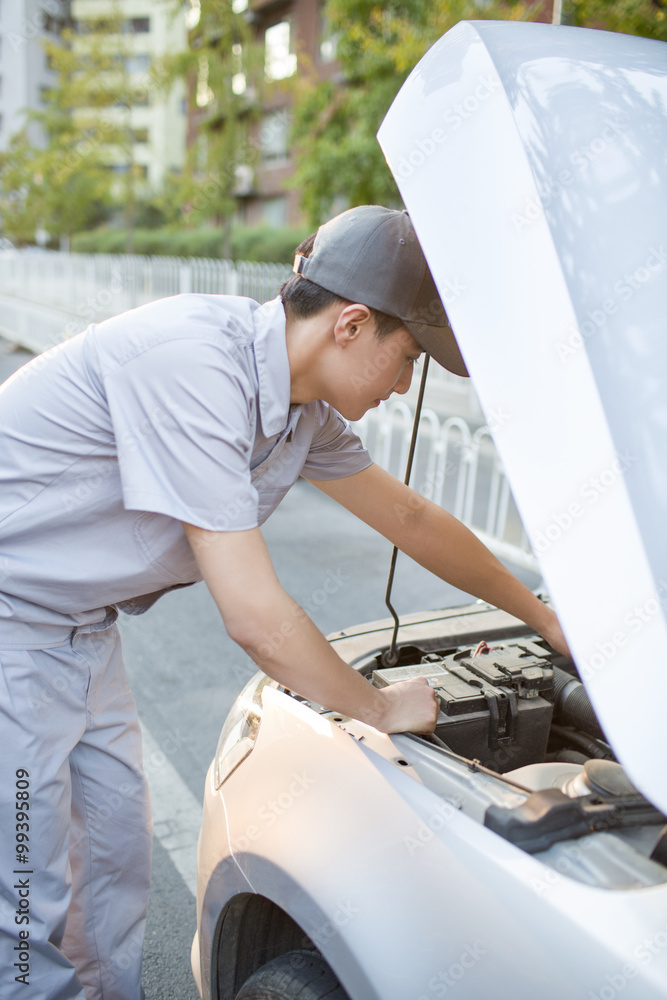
pixel 176 411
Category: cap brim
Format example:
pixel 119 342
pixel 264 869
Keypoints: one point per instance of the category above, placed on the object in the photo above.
pixel 439 342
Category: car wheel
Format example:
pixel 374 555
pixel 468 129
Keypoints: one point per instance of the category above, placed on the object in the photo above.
pixel 302 974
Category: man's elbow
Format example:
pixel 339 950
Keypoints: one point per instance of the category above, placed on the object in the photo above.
pixel 260 634
pixel 243 627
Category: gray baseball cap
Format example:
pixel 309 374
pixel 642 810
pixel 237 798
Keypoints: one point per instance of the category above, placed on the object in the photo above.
pixel 371 255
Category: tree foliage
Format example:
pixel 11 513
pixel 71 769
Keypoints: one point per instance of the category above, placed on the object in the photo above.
pixel 339 161
pixel 57 173
pixel 632 17
pixel 338 158
pixel 222 67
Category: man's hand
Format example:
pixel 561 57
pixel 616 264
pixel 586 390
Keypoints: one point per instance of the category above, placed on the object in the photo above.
pixel 411 707
pixel 286 645
pixel 553 633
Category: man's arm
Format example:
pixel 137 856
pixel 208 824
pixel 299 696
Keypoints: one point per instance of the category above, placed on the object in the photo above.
pixel 282 640
pixel 440 543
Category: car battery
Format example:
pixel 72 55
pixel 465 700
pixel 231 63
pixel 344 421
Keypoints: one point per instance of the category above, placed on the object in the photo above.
pixel 495 707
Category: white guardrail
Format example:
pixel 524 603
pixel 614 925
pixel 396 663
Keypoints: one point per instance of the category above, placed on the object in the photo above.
pixel 455 467
pixel 49 296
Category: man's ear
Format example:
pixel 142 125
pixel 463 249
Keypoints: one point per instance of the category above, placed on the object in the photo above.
pixel 350 322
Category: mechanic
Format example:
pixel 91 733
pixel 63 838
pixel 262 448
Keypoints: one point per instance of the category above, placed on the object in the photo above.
pixel 141 456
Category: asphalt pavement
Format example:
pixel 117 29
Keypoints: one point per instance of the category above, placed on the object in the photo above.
pixel 185 673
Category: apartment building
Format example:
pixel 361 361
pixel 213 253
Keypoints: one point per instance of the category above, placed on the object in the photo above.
pixel 294 37
pixel 157 120
pixel 25 74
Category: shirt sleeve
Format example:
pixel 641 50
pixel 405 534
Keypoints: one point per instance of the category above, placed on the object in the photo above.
pixel 336 450
pixel 183 414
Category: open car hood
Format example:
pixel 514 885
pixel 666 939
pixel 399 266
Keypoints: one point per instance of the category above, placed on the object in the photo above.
pixel 533 161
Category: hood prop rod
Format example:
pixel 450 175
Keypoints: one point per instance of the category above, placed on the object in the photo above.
pixel 390 657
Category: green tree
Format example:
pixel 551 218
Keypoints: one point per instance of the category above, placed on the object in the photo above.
pixel 337 155
pixel 338 158
pixel 82 167
pixel 60 188
pixel 632 17
pixel 223 69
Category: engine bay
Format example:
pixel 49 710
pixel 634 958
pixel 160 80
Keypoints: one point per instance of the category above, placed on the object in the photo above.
pixel 518 709
pixel 507 705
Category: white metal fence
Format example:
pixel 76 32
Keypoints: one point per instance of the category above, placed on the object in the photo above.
pixel 48 296
pixel 455 467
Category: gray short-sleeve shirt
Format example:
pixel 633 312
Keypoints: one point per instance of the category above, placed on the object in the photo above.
pixel 176 411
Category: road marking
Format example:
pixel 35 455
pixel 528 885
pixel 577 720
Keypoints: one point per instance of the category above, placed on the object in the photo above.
pixel 177 813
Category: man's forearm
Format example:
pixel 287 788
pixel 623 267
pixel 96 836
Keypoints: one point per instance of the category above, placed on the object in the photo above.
pixel 443 545
pixel 286 645
pixel 284 642
pixel 440 543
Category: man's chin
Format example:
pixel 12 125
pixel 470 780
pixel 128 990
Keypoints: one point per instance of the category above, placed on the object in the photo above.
pixel 355 413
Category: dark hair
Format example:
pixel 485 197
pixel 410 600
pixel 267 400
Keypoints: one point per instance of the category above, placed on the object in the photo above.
pixel 303 298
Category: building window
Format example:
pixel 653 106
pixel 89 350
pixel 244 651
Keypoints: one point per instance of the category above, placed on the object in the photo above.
pixel 279 59
pixel 273 136
pixel 238 76
pixel 101 25
pixel 192 14
pixel 138 169
pixel 52 24
pixel 204 94
pixel 244 180
pixel 137 64
pixel 95 26
pixel 328 40
pixel 274 211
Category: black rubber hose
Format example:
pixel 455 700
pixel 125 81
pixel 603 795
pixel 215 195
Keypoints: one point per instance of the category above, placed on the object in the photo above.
pixel 585 743
pixel 571 757
pixel 572 706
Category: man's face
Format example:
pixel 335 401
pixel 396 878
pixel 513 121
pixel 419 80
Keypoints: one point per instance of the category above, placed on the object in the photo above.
pixel 374 369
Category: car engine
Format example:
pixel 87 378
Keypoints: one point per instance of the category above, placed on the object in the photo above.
pixel 518 709
pixel 505 706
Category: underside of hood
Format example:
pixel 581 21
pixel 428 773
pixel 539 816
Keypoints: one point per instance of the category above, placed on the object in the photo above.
pixel 533 161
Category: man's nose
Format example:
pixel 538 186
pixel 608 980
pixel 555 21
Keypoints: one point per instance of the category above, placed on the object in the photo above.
pixel 404 380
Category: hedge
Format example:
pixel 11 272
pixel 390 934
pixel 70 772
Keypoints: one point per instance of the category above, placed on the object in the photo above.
pixel 259 243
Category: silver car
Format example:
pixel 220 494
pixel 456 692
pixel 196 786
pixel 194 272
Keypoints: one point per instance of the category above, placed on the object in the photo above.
pixel 520 852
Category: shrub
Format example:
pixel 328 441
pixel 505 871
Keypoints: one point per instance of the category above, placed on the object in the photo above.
pixel 259 243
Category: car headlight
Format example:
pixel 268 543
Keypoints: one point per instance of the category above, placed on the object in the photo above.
pixel 240 729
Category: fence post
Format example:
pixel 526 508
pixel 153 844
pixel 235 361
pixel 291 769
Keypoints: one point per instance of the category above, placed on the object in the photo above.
pixel 184 277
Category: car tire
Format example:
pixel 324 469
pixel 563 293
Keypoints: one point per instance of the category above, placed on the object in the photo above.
pixel 297 974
